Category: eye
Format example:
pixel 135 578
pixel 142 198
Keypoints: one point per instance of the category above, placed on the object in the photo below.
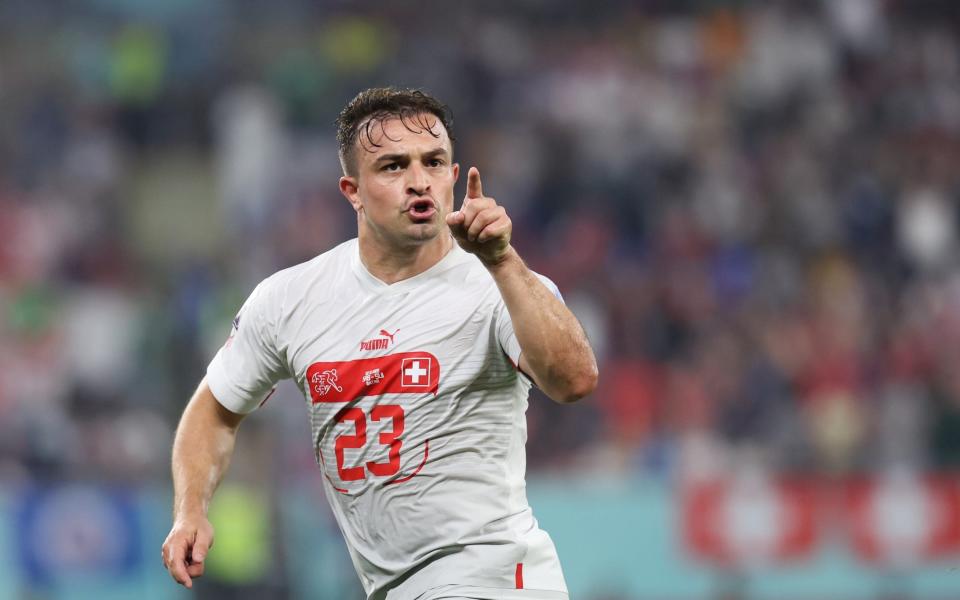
pixel 390 167
pixel 435 162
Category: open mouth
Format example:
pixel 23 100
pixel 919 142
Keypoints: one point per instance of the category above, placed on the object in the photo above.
pixel 421 210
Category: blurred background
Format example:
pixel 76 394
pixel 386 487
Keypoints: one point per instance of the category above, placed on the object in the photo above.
pixel 751 206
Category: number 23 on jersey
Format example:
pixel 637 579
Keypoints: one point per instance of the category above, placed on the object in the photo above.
pixel 413 373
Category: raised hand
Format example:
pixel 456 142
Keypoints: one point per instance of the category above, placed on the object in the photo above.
pixel 481 226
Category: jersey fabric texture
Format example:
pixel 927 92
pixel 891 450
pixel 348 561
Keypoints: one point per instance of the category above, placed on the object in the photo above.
pixel 463 592
pixel 417 414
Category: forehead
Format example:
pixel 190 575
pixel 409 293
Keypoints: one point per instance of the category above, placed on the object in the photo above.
pixel 395 135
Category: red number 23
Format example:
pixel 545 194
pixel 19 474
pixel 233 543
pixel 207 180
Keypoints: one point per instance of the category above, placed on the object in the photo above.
pixel 359 439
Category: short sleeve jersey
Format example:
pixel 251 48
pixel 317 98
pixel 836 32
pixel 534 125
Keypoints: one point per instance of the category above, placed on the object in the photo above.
pixel 417 412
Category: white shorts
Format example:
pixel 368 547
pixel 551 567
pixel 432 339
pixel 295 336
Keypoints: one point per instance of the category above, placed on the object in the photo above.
pixel 469 592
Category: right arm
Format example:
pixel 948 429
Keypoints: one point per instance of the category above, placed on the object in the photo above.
pixel 202 450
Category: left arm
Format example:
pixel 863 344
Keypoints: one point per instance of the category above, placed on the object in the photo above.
pixel 554 348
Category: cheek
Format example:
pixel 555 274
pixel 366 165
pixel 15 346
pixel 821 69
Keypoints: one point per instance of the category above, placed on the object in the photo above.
pixel 445 182
pixel 378 196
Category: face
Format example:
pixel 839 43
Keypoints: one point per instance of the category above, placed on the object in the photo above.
pixel 403 187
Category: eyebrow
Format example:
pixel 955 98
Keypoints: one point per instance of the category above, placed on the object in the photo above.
pixel 400 157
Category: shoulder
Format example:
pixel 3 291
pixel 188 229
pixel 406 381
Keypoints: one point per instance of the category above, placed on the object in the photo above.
pixel 327 264
pixel 475 274
pixel 299 279
pixel 469 267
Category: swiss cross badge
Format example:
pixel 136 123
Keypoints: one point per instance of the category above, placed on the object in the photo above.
pixel 415 372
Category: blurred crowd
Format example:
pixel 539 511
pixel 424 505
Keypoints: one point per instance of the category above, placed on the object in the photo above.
pixel 751 206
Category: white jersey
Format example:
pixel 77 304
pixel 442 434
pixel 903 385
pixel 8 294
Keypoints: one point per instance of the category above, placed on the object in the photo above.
pixel 417 412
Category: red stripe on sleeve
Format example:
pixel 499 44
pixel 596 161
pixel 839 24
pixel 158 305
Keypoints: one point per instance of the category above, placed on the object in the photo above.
pixel 519 576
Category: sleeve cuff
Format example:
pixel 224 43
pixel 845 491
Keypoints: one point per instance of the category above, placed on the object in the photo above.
pixel 229 397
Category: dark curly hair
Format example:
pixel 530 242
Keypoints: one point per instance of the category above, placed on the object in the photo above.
pixel 373 106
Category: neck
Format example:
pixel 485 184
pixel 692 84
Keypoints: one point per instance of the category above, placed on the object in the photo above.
pixel 391 264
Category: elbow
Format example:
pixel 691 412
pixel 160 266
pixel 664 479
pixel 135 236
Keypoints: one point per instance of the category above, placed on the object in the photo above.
pixel 579 387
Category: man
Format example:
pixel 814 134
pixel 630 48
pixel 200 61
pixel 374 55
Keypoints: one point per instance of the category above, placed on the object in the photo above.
pixel 415 345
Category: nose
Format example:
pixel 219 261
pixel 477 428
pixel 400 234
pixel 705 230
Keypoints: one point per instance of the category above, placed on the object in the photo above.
pixel 418 182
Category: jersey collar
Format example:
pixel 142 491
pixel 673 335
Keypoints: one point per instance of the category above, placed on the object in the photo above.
pixel 455 256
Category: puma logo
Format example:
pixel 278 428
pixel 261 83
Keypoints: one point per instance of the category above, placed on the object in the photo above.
pixel 381 343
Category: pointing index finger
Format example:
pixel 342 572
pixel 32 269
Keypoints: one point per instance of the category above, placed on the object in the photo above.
pixel 474 188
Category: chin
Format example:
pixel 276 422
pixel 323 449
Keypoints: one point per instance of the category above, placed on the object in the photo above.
pixel 417 234
pixel 426 232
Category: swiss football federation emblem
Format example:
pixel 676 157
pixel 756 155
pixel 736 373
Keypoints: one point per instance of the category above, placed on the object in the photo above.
pixel 415 372
pixel 373 376
pixel 324 381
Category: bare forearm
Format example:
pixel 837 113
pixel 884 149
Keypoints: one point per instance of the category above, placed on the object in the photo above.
pixel 201 452
pixel 555 350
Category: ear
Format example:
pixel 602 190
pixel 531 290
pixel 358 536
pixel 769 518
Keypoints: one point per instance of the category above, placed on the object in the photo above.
pixel 456 172
pixel 350 188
